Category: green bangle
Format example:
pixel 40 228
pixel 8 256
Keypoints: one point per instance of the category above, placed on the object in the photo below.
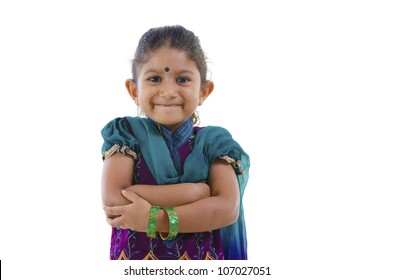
pixel 152 221
pixel 173 224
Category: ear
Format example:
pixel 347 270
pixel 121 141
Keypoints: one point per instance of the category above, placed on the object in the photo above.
pixel 206 90
pixel 132 90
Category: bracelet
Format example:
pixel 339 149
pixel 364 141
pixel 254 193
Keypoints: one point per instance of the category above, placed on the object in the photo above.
pixel 173 224
pixel 152 221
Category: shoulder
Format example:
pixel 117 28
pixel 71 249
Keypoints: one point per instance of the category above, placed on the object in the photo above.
pixel 120 124
pixel 211 133
pixel 213 138
pixel 217 142
pixel 118 132
pixel 211 128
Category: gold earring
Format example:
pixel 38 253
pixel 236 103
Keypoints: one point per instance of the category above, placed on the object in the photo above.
pixel 139 111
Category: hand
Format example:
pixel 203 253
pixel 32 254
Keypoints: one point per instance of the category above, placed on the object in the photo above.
pixel 203 190
pixel 130 216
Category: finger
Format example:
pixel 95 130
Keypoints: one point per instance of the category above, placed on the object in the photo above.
pixel 113 211
pixel 109 221
pixel 113 222
pixel 117 222
pixel 130 195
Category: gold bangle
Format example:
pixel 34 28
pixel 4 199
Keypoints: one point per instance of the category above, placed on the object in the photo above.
pixel 173 224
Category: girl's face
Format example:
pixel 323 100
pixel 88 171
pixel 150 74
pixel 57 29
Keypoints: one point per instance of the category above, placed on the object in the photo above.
pixel 168 89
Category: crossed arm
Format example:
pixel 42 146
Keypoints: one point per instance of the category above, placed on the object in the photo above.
pixel 200 207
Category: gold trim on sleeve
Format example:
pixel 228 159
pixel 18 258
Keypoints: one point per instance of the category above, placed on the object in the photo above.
pixel 111 151
pixel 125 150
pixel 233 162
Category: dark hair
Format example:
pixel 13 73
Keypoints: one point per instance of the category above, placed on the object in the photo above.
pixel 176 37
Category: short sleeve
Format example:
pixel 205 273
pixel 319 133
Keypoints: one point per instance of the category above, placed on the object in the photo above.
pixel 220 144
pixel 118 138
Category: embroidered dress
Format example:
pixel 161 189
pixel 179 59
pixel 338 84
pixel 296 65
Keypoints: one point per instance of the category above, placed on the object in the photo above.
pixel 165 158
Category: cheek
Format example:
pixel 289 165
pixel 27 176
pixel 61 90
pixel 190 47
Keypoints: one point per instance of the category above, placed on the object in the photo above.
pixel 193 103
pixel 144 94
pixel 143 100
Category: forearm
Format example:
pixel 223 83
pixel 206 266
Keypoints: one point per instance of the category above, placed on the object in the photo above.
pixel 172 195
pixel 203 215
pixel 217 211
pixel 206 214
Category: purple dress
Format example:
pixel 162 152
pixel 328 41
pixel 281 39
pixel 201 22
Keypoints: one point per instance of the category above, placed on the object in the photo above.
pixel 130 245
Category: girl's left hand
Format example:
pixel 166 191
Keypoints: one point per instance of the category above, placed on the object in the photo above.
pixel 130 216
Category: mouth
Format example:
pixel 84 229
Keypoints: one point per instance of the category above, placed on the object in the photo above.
pixel 168 105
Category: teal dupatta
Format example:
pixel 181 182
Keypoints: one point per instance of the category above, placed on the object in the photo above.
pixel 210 143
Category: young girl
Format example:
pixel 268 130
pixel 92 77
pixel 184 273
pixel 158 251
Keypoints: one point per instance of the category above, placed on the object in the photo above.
pixel 172 190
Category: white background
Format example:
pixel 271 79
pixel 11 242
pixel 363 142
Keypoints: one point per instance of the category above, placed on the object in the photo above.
pixel 305 87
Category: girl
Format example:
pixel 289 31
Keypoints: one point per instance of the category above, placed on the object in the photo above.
pixel 171 190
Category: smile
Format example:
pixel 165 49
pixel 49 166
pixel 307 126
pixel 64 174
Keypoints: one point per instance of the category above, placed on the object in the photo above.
pixel 168 105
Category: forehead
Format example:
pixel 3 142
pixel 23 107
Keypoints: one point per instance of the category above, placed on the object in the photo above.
pixel 169 57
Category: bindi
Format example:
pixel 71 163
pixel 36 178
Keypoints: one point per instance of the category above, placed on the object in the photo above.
pixel 167 69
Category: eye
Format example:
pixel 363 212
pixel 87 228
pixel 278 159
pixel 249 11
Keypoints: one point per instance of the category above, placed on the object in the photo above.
pixel 154 79
pixel 182 80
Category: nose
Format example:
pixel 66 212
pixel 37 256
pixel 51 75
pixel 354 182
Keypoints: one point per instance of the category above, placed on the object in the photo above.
pixel 168 89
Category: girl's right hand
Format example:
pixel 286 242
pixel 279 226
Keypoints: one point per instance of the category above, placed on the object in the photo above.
pixel 202 190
